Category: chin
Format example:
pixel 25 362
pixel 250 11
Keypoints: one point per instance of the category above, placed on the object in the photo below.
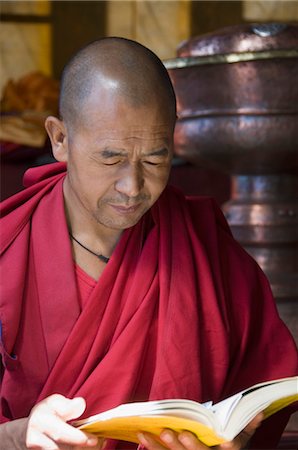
pixel 119 224
pixel 113 220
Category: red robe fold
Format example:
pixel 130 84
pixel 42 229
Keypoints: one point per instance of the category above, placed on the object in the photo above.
pixel 180 310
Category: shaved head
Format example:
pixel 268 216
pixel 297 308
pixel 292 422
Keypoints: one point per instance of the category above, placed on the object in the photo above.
pixel 120 66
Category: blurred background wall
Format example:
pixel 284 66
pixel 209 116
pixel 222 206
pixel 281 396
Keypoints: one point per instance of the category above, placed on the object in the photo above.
pixel 42 35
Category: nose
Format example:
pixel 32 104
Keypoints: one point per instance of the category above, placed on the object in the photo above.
pixel 130 181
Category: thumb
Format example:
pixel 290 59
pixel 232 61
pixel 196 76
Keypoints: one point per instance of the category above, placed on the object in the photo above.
pixel 243 438
pixel 66 408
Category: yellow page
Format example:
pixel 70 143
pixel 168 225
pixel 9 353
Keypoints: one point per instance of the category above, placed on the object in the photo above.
pixel 279 404
pixel 126 428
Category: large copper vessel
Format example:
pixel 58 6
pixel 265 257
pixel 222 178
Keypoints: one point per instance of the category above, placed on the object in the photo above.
pixel 237 92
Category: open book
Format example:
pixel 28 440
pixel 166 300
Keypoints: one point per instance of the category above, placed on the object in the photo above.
pixel 213 424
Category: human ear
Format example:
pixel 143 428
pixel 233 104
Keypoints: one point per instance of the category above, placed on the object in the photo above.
pixel 58 136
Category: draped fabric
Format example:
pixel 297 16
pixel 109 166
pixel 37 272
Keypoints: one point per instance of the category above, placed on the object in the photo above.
pixel 180 310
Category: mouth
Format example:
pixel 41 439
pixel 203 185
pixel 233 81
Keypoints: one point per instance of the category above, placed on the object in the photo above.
pixel 126 209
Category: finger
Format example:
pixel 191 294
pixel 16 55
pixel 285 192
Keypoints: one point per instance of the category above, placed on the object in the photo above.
pixel 250 429
pixel 66 408
pixel 190 441
pixel 64 433
pixel 149 442
pixel 49 417
pixel 59 431
pixel 244 437
pixel 255 423
pixel 72 447
pixel 100 443
pixel 170 439
pixel 38 441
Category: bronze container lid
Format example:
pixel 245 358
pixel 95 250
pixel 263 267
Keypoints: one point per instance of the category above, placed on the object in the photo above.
pixel 242 38
pixel 238 43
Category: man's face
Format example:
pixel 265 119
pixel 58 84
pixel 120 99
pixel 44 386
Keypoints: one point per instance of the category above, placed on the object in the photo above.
pixel 118 160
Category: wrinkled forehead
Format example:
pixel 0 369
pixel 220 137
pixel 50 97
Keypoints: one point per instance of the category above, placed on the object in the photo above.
pixel 146 136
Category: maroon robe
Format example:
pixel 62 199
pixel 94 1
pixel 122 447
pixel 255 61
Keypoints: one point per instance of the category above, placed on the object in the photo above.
pixel 180 310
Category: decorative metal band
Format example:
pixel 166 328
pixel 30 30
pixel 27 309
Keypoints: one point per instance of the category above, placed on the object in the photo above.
pixel 229 58
pixel 189 114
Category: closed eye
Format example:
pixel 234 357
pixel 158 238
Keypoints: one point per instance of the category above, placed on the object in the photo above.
pixel 157 157
pixel 151 163
pixel 111 163
pixel 111 157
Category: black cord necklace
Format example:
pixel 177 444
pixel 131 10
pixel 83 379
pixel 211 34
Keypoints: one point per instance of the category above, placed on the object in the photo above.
pixel 102 258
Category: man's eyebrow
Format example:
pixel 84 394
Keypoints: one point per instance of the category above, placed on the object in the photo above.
pixel 110 152
pixel 161 152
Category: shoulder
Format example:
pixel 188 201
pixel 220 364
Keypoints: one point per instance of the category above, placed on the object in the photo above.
pixel 34 180
pixel 205 223
pixel 17 210
pixel 202 210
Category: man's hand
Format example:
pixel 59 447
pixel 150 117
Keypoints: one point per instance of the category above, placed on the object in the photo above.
pixel 48 430
pixel 187 441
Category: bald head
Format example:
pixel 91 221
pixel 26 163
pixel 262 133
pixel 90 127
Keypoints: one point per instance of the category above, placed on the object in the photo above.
pixel 120 66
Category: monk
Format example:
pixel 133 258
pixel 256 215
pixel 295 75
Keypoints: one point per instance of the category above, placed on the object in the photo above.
pixel 117 288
